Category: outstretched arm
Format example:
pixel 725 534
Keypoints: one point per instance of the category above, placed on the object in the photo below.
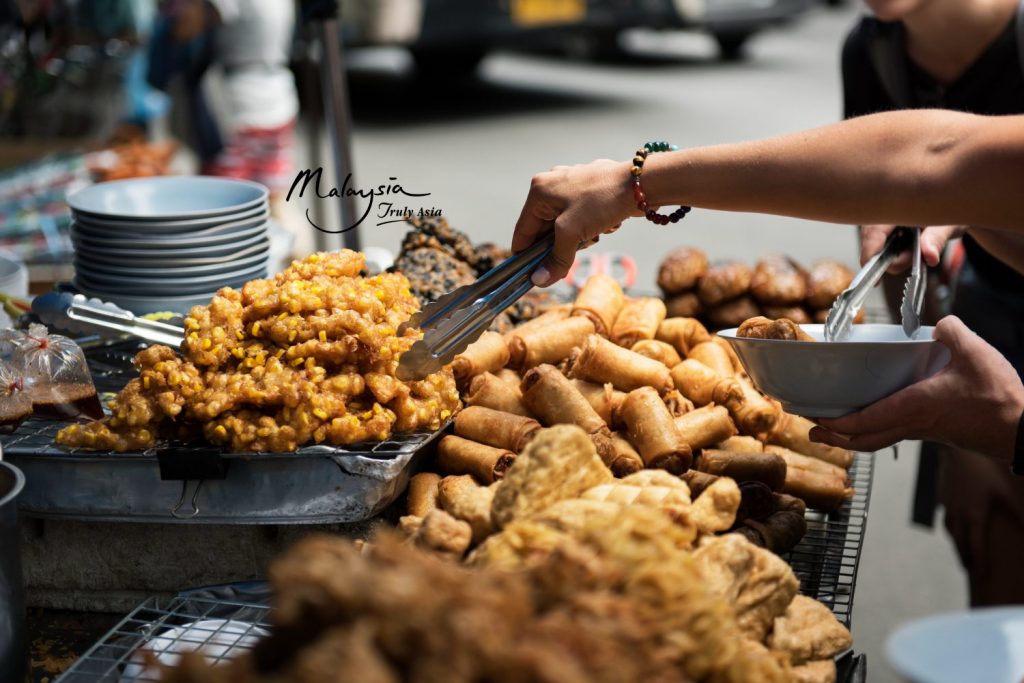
pixel 921 167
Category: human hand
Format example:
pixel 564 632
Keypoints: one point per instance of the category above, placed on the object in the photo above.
pixel 580 203
pixel 933 239
pixel 973 403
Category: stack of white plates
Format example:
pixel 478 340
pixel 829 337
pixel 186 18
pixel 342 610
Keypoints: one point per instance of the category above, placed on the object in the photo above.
pixel 168 243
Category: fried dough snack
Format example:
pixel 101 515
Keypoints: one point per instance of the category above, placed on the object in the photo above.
pixel 826 280
pixel 723 282
pixel 684 305
pixel 778 281
pixel 760 327
pixel 681 269
pixel 308 356
pixel 732 313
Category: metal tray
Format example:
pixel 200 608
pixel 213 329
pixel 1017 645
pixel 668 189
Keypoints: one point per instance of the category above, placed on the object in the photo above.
pixel 314 485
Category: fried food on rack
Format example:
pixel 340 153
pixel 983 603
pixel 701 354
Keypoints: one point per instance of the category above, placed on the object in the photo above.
pixel 596 611
pixel 308 356
pixel 758 584
pixel 807 631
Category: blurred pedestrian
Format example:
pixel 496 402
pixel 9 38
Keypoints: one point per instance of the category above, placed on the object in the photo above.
pixel 966 55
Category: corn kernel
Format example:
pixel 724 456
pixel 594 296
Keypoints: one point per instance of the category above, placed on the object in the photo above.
pixel 321 413
pixel 239 335
pixel 220 431
pixel 292 335
pixel 192 336
pixel 145 382
pixel 206 344
pixel 256 329
pixel 323 336
pixel 298 361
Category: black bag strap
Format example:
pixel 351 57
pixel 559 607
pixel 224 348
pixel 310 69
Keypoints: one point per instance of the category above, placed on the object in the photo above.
pixel 1020 34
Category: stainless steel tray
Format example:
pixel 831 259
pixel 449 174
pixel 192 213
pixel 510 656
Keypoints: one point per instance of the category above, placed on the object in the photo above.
pixel 315 485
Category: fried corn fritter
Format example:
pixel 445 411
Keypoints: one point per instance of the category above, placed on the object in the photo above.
pixel 308 356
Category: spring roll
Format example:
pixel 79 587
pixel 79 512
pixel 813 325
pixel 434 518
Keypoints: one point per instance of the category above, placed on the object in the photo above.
pixel 791 431
pixel 507 431
pixel 804 462
pixel 600 300
pixel 754 414
pixel 705 426
pixel 624 460
pixel 548 317
pixel 509 375
pixel 490 392
pixel 789 503
pixel 486 354
pixel 759 327
pixel 600 361
pixel 756 501
pixel 486 464
pixel 665 354
pixel 555 400
pixel 603 398
pixel 767 468
pixel 677 404
pixel 638 319
pixel 548 344
pixel 780 532
pixel 741 444
pixel 712 355
pixel 652 430
pixel 702 385
pixel 682 333
pixel 423 493
pixel 737 365
pixel 698 481
pixel 817 490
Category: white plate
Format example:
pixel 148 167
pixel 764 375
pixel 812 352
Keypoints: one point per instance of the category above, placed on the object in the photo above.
pixel 829 379
pixel 197 255
pixel 168 198
pixel 218 640
pixel 981 645
pixel 121 226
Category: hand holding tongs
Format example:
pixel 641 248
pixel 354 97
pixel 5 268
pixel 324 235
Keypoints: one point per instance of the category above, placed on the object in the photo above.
pixel 76 313
pixel 458 318
pixel 840 317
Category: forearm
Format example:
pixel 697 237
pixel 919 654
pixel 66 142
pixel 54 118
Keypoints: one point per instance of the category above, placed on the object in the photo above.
pixel 909 167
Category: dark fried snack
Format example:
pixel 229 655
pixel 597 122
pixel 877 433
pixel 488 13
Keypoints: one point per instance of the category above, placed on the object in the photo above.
pixel 778 281
pixel 723 282
pixel 826 280
pixel 681 270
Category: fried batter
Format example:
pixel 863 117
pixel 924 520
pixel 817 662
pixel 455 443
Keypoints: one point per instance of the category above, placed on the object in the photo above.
pixel 808 630
pixel 308 356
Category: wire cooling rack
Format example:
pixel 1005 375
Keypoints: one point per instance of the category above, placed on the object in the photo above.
pixel 827 557
pixel 220 627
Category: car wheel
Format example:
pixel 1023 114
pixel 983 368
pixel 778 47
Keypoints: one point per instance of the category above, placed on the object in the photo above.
pixel 730 45
pixel 448 62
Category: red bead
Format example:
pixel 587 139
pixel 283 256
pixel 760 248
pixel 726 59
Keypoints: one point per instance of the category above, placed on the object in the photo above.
pixel 650 215
pixel 638 194
pixel 642 205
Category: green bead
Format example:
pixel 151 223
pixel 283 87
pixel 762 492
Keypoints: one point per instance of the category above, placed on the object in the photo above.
pixel 663 146
pixel 649 146
pixel 674 148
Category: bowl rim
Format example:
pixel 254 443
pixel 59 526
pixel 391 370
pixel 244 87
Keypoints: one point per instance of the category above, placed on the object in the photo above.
pixel 76 199
pixel 730 335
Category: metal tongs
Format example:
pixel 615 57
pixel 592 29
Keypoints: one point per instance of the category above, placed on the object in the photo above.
pixel 76 313
pixel 840 317
pixel 458 318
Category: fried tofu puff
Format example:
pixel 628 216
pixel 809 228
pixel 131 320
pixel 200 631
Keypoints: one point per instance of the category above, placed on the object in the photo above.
pixel 308 356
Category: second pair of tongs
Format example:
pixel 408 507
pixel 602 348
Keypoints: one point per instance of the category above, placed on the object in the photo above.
pixel 458 318
pixel 839 322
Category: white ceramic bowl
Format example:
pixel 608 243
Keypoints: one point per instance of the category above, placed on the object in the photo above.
pixel 218 640
pixel 829 379
pixel 980 645
pixel 168 198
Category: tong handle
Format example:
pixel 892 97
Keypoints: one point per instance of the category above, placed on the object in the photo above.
pixel 79 314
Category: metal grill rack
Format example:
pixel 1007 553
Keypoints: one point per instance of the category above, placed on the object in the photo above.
pixel 827 557
pixel 37 437
pixel 222 626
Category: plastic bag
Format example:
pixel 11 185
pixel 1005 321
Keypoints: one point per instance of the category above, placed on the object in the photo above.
pixel 57 377
pixel 15 404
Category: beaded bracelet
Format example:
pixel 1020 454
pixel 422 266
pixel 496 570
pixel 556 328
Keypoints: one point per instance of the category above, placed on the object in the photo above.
pixel 638 193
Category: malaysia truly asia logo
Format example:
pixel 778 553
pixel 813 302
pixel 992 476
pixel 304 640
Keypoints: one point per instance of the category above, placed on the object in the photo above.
pixel 385 203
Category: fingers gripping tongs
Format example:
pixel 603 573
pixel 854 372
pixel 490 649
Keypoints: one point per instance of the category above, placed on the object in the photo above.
pixel 840 317
pixel 458 318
